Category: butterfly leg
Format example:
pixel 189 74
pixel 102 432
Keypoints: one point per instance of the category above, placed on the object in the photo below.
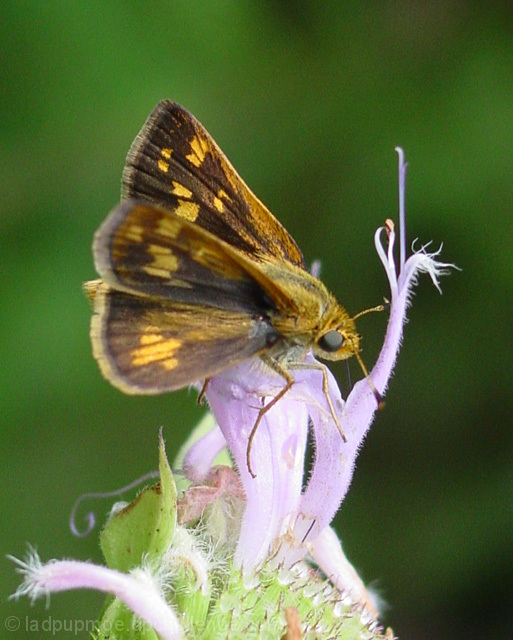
pixel 275 366
pixel 203 389
pixel 325 387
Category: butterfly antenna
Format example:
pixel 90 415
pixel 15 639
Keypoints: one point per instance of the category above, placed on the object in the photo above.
pixel 380 307
pixel 377 394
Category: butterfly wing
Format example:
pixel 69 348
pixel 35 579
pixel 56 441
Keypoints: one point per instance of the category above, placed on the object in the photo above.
pixel 174 162
pixel 175 303
pixel 144 249
pixel 143 345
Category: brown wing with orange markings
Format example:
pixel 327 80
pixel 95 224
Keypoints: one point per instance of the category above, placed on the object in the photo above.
pixel 174 162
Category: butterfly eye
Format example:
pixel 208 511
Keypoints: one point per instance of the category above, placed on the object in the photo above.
pixel 331 341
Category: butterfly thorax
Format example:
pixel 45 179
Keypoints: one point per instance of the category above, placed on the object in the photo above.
pixel 311 317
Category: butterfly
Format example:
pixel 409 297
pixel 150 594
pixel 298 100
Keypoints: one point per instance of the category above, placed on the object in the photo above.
pixel 197 275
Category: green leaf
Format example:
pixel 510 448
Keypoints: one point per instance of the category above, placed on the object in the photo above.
pixel 145 527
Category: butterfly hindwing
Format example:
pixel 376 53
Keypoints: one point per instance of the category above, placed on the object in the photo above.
pixel 151 346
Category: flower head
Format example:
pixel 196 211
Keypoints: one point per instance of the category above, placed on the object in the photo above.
pixel 171 576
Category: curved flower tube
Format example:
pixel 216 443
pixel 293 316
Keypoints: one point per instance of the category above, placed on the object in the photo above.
pixel 139 590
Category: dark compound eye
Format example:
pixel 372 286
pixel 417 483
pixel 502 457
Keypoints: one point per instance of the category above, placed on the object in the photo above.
pixel 331 341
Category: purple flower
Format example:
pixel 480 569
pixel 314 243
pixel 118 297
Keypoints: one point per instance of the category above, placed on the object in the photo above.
pixel 281 516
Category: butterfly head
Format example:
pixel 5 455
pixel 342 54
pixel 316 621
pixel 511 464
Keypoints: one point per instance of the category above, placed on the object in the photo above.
pixel 338 343
pixel 339 340
pixel 336 337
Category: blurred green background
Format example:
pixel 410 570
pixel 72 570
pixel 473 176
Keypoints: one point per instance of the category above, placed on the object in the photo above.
pixel 308 100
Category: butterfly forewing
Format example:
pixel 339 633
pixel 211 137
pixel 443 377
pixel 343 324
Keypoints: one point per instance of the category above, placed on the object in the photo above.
pixel 174 162
pixel 146 250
